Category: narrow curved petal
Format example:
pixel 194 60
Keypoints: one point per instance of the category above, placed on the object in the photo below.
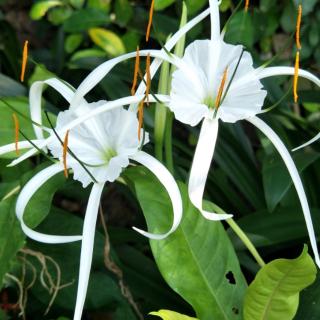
pixel 24 197
pixel 317 137
pixel 169 183
pixel 273 137
pixel 286 71
pixel 103 108
pixel 88 233
pixel 21 145
pixel 201 165
pixel 35 96
pixel 215 19
pixel 102 70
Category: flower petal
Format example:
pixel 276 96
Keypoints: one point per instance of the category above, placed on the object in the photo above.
pixel 317 137
pixel 215 19
pixel 274 138
pixel 24 197
pixel 283 71
pixel 21 145
pixel 35 96
pixel 106 107
pixel 169 183
pixel 102 70
pixel 88 233
pixel 201 165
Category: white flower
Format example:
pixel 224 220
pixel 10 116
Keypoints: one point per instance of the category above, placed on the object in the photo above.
pixel 199 77
pixel 104 137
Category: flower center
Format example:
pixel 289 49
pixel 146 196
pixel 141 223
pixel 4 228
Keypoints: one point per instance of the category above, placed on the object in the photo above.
pixel 108 155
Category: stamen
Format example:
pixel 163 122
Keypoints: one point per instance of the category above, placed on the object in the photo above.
pixel 148 74
pixel 64 155
pixel 136 72
pixel 246 8
pixel 16 132
pixel 140 118
pixel 296 77
pixel 24 60
pixel 150 21
pixel 298 27
pixel 220 91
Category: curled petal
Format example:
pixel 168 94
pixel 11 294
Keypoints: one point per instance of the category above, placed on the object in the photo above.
pixel 317 137
pixel 21 145
pixel 201 165
pixel 35 96
pixel 286 71
pixel 24 197
pixel 274 138
pixel 101 109
pixel 87 247
pixel 169 183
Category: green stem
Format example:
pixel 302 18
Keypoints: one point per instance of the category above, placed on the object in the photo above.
pixel 242 236
pixel 246 241
pixel 168 142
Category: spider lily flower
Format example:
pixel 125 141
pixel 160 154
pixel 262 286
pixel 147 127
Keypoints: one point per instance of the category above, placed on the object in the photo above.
pixel 196 97
pixel 105 145
pixel 214 81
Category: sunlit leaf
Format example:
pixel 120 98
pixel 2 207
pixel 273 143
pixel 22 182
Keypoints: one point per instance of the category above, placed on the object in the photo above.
pixel 39 9
pixel 170 315
pixel 107 40
pixel 274 293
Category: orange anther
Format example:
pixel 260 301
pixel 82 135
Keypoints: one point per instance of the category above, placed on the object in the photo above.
pixel 16 132
pixel 64 155
pixel 24 60
pixel 246 8
pixel 298 43
pixel 150 21
pixel 296 77
pixel 136 72
pixel 220 91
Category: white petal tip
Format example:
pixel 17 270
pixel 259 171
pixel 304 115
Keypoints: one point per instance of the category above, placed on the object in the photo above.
pixel 151 235
pixel 216 216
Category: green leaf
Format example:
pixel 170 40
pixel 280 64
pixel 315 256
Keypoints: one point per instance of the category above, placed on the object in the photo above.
pixel 123 11
pixel 276 179
pixel 11 235
pixel 84 19
pixel 39 9
pixel 241 30
pixel 171 315
pixel 103 5
pixel 162 4
pixel 197 260
pixel 58 15
pixel 107 40
pixel 73 42
pixel 10 87
pixel 195 6
pixel 77 3
pixel 274 293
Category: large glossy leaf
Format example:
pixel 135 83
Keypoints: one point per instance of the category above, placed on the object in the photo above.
pixel 274 293
pixel 276 179
pixel 197 260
